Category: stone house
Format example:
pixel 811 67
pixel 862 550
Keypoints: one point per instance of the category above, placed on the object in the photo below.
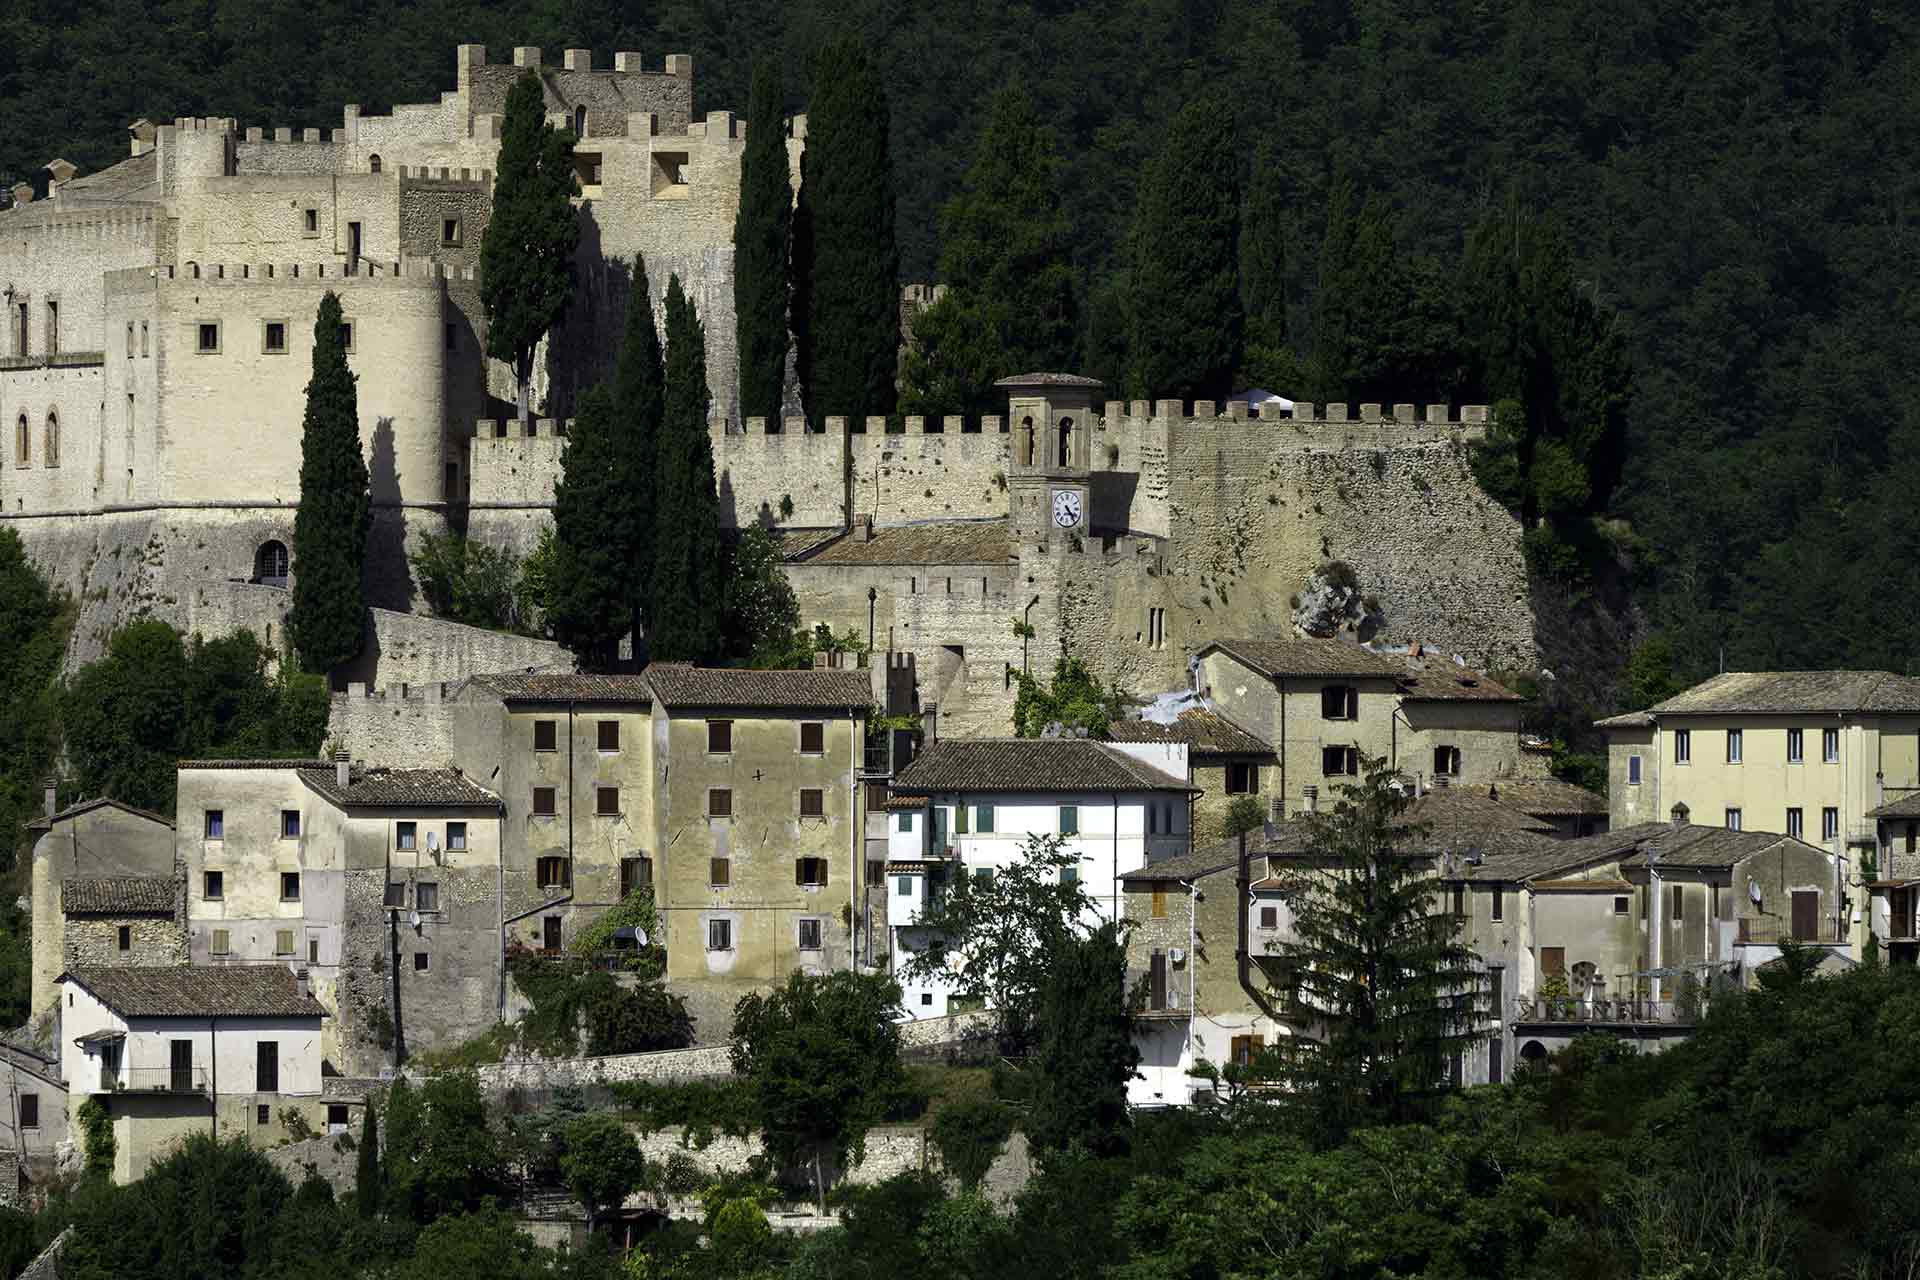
pixel 1894 893
pixel 1571 810
pixel 173 1051
pixel 1224 761
pixel 33 1112
pixel 968 807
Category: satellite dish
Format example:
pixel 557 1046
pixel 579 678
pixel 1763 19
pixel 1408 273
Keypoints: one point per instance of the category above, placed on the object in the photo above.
pixel 413 918
pixel 639 937
pixel 1753 891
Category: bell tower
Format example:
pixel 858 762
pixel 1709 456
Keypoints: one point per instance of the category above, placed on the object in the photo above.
pixel 1050 419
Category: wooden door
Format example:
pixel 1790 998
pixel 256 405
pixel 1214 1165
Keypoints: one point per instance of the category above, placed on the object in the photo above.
pixel 1806 915
pixel 1157 981
pixel 182 1066
pixel 550 933
pixel 1553 960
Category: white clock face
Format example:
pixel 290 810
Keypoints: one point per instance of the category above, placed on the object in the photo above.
pixel 1066 508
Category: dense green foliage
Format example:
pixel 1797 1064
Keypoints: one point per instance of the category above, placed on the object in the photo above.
pixel 602 1163
pixel 1086 1053
pixel 969 1135
pixel 846 290
pixel 33 627
pixel 526 256
pixel 155 698
pixel 327 622
pixel 762 623
pixel 688 593
pixel 574 994
pixel 368 1191
pixel 1074 702
pixel 762 230
pixel 589 609
pixel 471 582
pixel 639 404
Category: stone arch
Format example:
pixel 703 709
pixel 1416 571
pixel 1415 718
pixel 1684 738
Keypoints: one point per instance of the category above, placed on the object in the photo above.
pixel 1066 443
pixel 373 163
pixel 50 440
pixel 1026 441
pixel 270 563
pixel 22 443
pixel 1533 1054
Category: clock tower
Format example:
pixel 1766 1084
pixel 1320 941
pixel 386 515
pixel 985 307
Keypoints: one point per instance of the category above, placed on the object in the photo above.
pixel 1050 418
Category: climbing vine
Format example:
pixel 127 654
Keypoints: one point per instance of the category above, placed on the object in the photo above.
pixel 96 1126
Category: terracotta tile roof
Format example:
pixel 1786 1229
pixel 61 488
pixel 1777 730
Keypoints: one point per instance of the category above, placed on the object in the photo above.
pixel 254 764
pixel 1205 732
pixel 401 788
pixel 1543 797
pixel 1737 692
pixel 1194 864
pixel 234 991
pixel 88 806
pixel 815 689
pixel 1030 764
pixel 119 896
pixel 1306 658
pixel 1625 720
pixel 1048 380
pixel 1907 806
pixel 1665 844
pixel 1451 809
pixel 1436 679
pixel 945 542
pixel 556 686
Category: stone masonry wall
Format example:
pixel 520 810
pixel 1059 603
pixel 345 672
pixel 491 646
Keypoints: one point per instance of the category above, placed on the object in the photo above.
pixel 95 940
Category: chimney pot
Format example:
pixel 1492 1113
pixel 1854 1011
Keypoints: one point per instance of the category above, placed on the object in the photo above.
pixel 50 798
pixel 342 770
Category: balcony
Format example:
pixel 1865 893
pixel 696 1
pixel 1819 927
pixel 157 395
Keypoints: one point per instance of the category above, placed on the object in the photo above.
pixel 155 1080
pixel 1626 1012
pixel 1766 932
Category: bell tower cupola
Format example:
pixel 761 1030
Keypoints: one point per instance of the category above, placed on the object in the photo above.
pixel 1050 417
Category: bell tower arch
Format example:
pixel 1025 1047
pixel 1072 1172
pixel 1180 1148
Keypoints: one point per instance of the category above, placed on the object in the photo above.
pixel 1049 492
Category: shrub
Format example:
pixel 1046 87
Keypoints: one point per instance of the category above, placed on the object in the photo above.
pixel 969 1135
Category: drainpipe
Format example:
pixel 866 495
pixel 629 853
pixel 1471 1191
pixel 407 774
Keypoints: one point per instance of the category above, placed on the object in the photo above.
pixel 1114 879
pixel 213 1051
pixel 858 823
pixel 1243 887
pixel 873 595
pixel 1283 797
pixel 1193 1009
pixel 571 798
pixel 500 872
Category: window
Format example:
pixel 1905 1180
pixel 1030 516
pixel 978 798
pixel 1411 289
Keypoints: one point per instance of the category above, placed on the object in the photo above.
pixel 1735 741
pixel 606 801
pixel 270 563
pixel 579 122
pixel 262 1114
pixel 1913 832
pixel 1159 900
pixel 1244 1049
pixel 1069 875
pixel 52 442
pixel 1733 820
pixel 419 962
pixel 289 824
pixel 876 874
pixel 813 802
pixel 719 802
pixel 719 737
pixel 544 736
pixel 1243 778
pixel 1553 960
pixel 22 440
pixel 456 835
pixel 813 738
pixel 1339 762
pixel 1498 904
pixel 143 337
pixel 811 872
pixel 551 872
pixel 53 325
pixel 396 895
pixel 1796 746
pixel 550 934
pixel 906 821
pixel 1677 901
pixel 1829 823
pixel 1069 819
pixel 543 802
pixel 406 835
pixel 1496 983
pixel 1620 904
pixel 449 231
pixel 129 339
pixel 635 873
pixel 1682 746
pixel 1796 823
pixel 609 735
pixel 310 221
pixel 983 819
pixel 273 338
pixel 207 337
pixel 212 885
pixel 283 942
pixel 809 934
pixel 1459 900
pixel 126 937
pixel 426 896
pixel 29 1111
pixel 220 945
pixel 719 935
pixel 1830 746
pixel 926 998
pixel 1340 702
pixel 20 346
pixel 266 1067
pixel 1269 917
pixel 289 886
pixel 337 1117
pixel 313 951
pixel 1633 770
pixel 216 825
pixel 903 886
pixel 983 878
pixel 719 872
pixel 960 819
pixel 1446 762
pixel 346 336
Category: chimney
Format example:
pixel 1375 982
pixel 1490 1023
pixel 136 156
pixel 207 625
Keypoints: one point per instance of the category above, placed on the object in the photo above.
pixel 863 528
pixel 49 801
pixel 1680 812
pixel 342 770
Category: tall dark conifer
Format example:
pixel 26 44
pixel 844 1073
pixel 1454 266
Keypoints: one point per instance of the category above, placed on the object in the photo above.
pixel 639 390
pixel 1185 329
pixel 590 602
pixel 1264 221
pixel 330 529
pixel 760 239
pixel 846 264
pixel 688 592
pixel 366 1183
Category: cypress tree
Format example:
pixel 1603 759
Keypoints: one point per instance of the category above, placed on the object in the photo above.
pixel 330 530
pixel 846 265
pixel 590 600
pixel 760 236
pixel 366 1182
pixel 1185 333
pixel 1264 222
pixel 688 591
pixel 639 388
pixel 526 256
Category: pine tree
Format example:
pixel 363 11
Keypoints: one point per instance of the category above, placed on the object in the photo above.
pixel 687 587
pixel 1011 303
pixel 639 388
pixel 1394 990
pixel 330 530
pixel 1264 223
pixel 846 265
pixel 589 603
pixel 366 1184
pixel 760 238
pixel 1183 253
pixel 526 256
pixel 1086 1051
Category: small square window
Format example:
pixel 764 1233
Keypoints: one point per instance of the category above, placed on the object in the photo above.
pixel 719 802
pixel 552 872
pixel 419 962
pixel 1069 819
pixel 426 896
pixel 346 336
pixel 903 886
pixel 396 895
pixel 212 885
pixel 719 872
pixel 1243 778
pixel 983 819
pixel 220 945
pixel 337 1117
pixel 289 824
pixel 1070 875
pixel 216 826
pixel 1269 917
pixel 813 738
pixel 1340 762
pixel 719 737
pixel 263 1114
pixel 289 886
pixel 126 937
pixel 543 802
pixel 283 942
pixel 456 835
pixel 719 935
pixel 449 231
pixel 545 737
pixel 606 801
pixel 811 872
pixel 1620 904
pixel 906 820
pixel 813 802
pixel 810 935
pixel 926 998
pixel 876 874
pixel 207 337
pixel 609 735
pixel 406 835
pixel 635 874
pixel 273 338
pixel 310 221
pixel 983 878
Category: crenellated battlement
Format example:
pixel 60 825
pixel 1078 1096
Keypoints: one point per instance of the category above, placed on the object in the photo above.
pixel 364 274
pixel 431 694
pixel 625 63
pixel 514 429
pixel 1463 418
pixel 442 175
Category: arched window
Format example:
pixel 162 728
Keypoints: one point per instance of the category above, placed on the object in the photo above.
pixel 129 339
pixel 579 122
pixel 1533 1055
pixel 22 438
pixel 1066 442
pixel 1584 980
pixel 1026 442
pixel 143 337
pixel 50 452
pixel 373 163
pixel 270 563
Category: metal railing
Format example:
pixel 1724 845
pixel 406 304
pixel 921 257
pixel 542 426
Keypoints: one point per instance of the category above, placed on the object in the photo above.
pixel 1631 1010
pixel 1767 932
pixel 157 1080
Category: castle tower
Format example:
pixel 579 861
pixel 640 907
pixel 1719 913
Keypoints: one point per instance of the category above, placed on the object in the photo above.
pixel 1050 417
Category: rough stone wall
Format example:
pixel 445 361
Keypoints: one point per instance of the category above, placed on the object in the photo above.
pixel 95 940
pixel 47 1265
pixel 760 475
pixel 413 648
pixel 327 1156
pixel 950 474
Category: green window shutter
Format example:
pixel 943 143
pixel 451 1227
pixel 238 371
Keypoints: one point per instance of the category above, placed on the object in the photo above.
pixel 983 818
pixel 1069 820
pixel 906 821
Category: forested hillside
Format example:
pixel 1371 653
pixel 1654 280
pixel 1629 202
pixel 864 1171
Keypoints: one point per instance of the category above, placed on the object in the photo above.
pixel 1739 184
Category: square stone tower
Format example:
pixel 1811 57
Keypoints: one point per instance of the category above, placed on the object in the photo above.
pixel 1050 416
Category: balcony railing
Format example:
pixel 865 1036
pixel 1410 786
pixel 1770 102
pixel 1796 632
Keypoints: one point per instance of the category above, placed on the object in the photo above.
pixel 156 1080
pixel 1762 931
pixel 879 759
pixel 1627 1011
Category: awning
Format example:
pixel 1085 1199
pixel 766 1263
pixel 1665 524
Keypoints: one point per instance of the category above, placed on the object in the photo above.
pixel 94 1039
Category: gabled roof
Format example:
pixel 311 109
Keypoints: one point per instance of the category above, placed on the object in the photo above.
pixel 1453 809
pixel 182 991
pixel 1436 679
pixel 1309 658
pixel 119 896
pixel 556 686
pixel 98 802
pixel 1626 720
pixel 1667 844
pixel 401 789
pixel 1030 765
pixel 1206 733
pixel 254 764
pixel 1543 797
pixel 681 685
pixel 1760 692
pixel 1907 806
pixel 1194 864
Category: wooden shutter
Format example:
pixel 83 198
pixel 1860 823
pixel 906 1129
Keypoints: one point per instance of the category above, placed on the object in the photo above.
pixel 1806 915
pixel 1553 960
pixel 1157 981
